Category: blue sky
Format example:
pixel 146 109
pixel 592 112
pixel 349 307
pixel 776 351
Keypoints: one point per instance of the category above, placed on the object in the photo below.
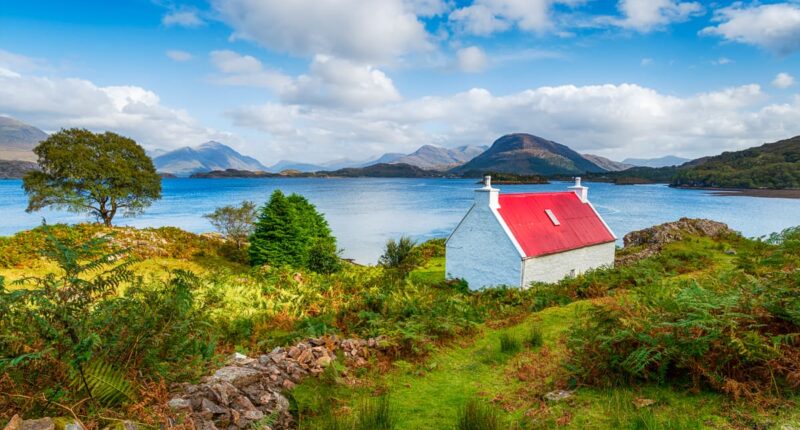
pixel 317 80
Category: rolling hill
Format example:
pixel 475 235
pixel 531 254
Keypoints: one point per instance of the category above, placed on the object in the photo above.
pixel 526 154
pixel 772 165
pixel 205 158
pixel 18 139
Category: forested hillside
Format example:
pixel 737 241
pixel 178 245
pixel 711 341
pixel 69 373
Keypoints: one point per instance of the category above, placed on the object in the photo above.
pixel 772 165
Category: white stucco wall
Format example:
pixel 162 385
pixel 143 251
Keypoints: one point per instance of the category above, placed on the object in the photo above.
pixel 480 252
pixel 555 267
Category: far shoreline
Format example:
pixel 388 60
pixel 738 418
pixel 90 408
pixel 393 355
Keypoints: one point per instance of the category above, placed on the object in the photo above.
pixel 787 193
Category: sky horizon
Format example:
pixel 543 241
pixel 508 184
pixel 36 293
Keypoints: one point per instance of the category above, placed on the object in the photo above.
pixel 318 80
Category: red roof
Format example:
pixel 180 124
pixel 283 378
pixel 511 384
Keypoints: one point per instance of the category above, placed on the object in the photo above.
pixel 526 217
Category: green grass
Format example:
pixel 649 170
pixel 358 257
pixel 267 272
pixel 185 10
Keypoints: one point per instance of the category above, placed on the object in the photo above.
pixel 433 394
pixel 430 273
pixel 477 415
pixel 534 338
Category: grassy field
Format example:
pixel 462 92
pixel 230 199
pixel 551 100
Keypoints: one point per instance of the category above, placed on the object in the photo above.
pixel 428 394
pixel 508 349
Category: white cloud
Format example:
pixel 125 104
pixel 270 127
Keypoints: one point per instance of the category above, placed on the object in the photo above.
pixel 427 8
pixel 55 103
pixel 245 70
pixel 183 18
pixel 369 31
pixel 646 15
pixel 647 62
pixel 341 83
pixel 721 61
pixel 783 80
pixel 479 20
pixel 471 59
pixel 329 81
pixel 177 55
pixel 616 120
pixel 774 27
pixel 484 17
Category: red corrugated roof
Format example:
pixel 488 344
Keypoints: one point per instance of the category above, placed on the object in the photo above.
pixel 526 217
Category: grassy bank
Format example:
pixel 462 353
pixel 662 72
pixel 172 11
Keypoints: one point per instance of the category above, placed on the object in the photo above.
pixel 186 305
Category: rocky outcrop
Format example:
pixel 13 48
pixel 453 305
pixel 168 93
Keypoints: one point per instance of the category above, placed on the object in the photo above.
pixel 249 390
pixel 651 240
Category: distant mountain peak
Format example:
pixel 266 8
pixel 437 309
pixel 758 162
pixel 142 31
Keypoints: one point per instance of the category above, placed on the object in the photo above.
pixel 17 139
pixel 205 157
pixel 527 154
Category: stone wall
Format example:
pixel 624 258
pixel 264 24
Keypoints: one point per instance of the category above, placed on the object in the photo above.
pixel 250 390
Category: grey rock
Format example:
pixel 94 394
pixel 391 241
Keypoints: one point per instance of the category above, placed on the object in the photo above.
pixel 237 376
pixel 558 395
pixel 179 403
pixel 40 424
pixel 209 406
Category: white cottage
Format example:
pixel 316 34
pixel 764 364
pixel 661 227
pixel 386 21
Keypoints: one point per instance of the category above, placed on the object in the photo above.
pixel 516 239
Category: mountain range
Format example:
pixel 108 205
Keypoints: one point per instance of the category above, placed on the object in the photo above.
pixel 427 157
pixel 665 161
pixel 519 153
pixel 204 158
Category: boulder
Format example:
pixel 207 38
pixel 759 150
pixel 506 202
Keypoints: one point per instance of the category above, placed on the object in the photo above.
pixel 650 241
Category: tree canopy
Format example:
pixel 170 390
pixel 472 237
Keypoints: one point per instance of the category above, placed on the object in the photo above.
pixel 100 174
pixel 290 231
pixel 235 222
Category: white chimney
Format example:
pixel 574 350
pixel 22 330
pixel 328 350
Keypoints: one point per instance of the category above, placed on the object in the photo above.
pixel 580 190
pixel 487 196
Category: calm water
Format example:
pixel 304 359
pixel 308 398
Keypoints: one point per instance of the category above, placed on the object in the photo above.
pixel 363 213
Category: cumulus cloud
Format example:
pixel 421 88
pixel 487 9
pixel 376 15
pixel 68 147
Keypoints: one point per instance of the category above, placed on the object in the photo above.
pixel 774 27
pixel 177 55
pixel 428 8
pixel 55 103
pixel 471 59
pixel 616 120
pixel 484 17
pixel 182 18
pixel 331 82
pixel 646 15
pixel 371 31
pixel 783 80
pixel 245 70
pixel 340 83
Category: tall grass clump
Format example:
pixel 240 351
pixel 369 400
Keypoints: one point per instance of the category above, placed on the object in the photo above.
pixel 535 337
pixel 509 344
pixel 375 414
pixel 477 415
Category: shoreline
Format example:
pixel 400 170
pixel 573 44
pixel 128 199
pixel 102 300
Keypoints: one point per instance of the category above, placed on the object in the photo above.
pixel 789 193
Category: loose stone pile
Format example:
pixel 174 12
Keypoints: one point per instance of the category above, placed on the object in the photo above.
pixel 249 390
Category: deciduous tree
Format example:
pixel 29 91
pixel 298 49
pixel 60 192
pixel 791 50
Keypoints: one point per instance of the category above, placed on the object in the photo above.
pixel 100 174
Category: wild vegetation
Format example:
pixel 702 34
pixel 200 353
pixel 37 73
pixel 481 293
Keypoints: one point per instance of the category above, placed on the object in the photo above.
pixel 99 322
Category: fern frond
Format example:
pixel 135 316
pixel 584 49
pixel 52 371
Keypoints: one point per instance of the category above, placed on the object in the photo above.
pixel 107 385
